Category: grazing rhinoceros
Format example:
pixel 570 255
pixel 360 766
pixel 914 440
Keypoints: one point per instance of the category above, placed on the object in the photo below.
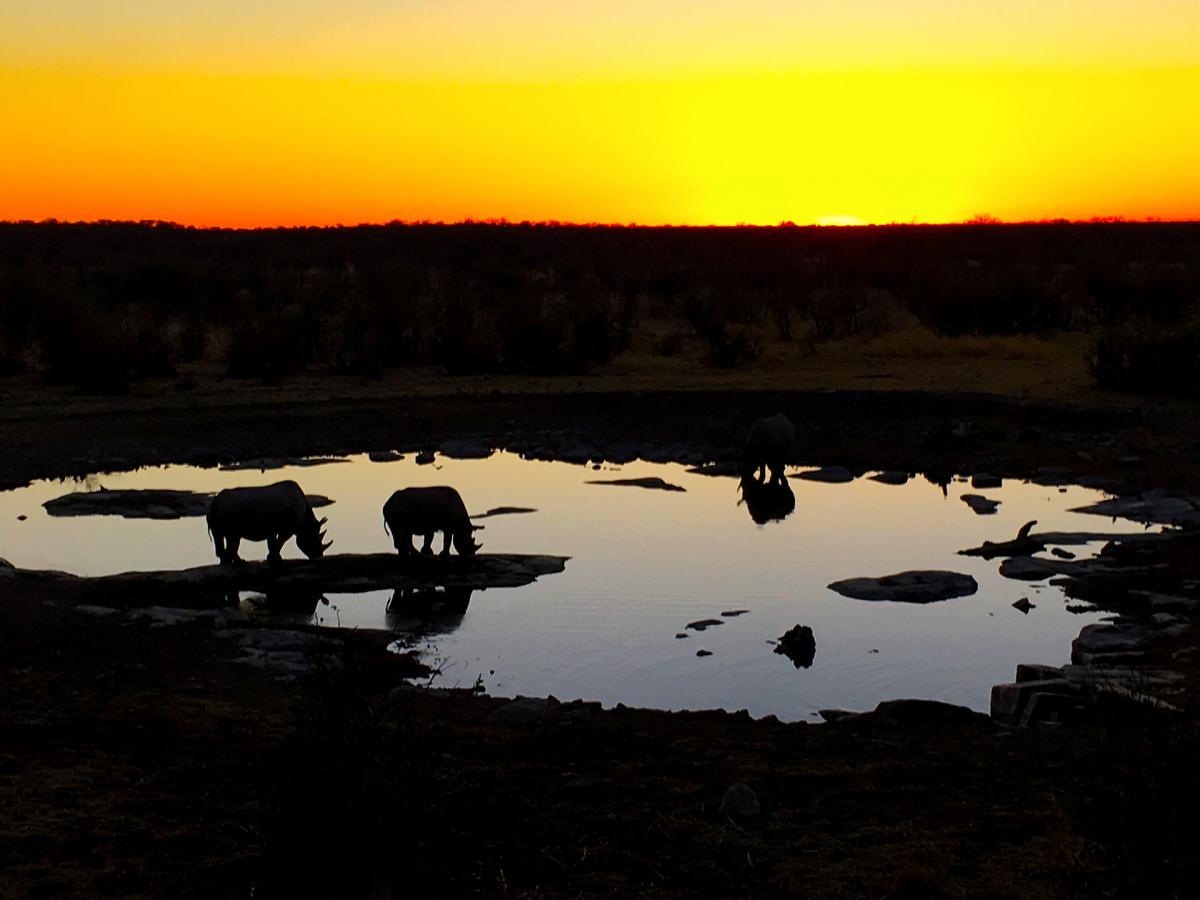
pixel 272 513
pixel 424 510
pixel 769 445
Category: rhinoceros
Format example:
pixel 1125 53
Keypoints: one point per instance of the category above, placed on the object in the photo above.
pixel 272 513
pixel 769 445
pixel 425 510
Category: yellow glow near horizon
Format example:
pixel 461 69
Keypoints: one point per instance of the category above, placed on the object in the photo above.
pixel 264 112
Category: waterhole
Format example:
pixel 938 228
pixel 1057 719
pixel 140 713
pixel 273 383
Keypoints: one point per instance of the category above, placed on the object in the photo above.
pixel 645 563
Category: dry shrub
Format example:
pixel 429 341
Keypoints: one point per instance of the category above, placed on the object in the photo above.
pixel 1139 356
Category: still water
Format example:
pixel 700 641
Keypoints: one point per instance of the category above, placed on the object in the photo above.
pixel 645 563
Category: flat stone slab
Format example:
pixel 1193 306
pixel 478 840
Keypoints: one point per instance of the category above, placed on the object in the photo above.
pixel 1151 507
pixel 890 477
pixel 729 468
pixel 653 484
pixel 142 504
pixel 265 463
pixel 923 586
pixel 349 573
pixel 504 511
pixel 827 474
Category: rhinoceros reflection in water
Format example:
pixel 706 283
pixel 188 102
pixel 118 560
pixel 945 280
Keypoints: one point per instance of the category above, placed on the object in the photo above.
pixel 427 610
pixel 767 501
pixel 291 601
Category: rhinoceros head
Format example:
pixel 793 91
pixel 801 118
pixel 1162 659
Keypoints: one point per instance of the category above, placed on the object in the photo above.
pixel 465 543
pixel 311 541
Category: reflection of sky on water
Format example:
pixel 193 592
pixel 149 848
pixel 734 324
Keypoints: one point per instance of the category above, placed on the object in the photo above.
pixel 644 564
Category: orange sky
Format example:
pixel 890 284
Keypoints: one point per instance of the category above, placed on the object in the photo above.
pixel 265 112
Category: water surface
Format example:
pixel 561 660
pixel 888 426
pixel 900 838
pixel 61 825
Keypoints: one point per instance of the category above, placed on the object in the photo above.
pixel 644 563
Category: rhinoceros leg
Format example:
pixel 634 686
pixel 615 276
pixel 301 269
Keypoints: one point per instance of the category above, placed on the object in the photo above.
pixel 427 547
pixel 446 538
pixel 274 546
pixel 219 545
pixel 231 549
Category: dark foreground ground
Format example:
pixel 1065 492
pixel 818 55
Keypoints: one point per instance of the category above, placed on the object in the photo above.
pixel 142 761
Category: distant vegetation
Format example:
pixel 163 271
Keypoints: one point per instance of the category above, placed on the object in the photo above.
pixel 100 305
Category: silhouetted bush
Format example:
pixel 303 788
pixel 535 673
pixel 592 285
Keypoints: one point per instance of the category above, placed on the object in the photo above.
pixel 730 346
pixel 848 312
pixel 972 298
pixel 1139 356
pixel 530 298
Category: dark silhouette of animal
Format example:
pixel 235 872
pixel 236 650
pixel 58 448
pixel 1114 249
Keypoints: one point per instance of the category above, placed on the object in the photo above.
pixel 272 513
pixel 768 501
pixel 424 511
pixel 769 445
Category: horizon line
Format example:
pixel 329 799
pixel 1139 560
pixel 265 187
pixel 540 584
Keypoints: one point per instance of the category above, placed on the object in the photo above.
pixel 982 220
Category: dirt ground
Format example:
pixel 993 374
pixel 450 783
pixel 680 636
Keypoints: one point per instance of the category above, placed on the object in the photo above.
pixel 144 762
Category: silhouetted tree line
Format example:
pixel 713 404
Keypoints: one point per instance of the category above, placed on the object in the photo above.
pixel 98 305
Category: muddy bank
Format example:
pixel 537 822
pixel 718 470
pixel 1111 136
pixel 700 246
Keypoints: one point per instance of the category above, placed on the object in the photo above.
pixel 153 761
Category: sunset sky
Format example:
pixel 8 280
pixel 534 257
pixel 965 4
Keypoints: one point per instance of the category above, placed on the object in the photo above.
pixel 283 112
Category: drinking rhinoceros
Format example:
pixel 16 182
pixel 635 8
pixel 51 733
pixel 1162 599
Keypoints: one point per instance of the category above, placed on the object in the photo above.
pixel 769 445
pixel 272 513
pixel 425 510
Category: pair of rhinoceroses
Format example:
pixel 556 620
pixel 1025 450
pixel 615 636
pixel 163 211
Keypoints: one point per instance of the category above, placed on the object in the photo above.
pixel 276 512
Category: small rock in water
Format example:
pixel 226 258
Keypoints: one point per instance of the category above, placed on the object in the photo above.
pixel 701 624
pixel 740 800
pixel 384 456
pixel 980 505
pixel 873 650
pixel 1024 605
pixel 827 474
pixel 704 653
pixel 1061 553
pixel 732 613
pixel 22 517
pixel 799 645
pixel 680 635
pixel 465 449
pixel 425 457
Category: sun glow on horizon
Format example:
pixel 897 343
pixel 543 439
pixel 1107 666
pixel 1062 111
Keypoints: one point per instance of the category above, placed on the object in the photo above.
pixel 262 112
